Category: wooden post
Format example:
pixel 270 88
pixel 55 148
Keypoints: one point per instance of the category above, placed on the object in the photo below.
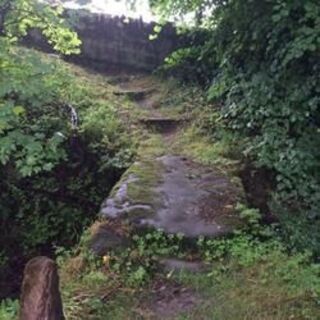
pixel 40 296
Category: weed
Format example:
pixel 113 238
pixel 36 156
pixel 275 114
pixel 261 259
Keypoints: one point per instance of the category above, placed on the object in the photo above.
pixel 9 309
pixel 253 279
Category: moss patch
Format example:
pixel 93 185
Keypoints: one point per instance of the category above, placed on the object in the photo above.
pixel 152 146
pixel 147 170
pixel 134 196
pixel 202 149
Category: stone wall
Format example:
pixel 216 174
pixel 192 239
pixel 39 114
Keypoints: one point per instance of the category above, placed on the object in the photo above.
pixel 110 43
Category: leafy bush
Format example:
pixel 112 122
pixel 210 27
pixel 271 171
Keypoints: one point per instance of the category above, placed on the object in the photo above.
pixel 254 279
pixel 53 176
pixel 184 62
pixel 19 16
pixel 137 263
pixel 53 173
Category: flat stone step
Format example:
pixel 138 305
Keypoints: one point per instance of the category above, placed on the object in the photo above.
pixel 116 80
pixel 134 94
pixel 163 125
pixel 190 199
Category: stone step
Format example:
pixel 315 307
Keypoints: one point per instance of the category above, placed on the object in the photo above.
pixel 163 125
pixel 134 94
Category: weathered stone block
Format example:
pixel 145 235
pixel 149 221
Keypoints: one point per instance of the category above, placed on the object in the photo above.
pixel 40 297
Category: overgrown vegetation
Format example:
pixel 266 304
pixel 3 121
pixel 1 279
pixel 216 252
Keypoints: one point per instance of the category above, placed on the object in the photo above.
pixel 257 280
pixel 260 72
pixel 62 145
pixel 260 63
pixel 249 275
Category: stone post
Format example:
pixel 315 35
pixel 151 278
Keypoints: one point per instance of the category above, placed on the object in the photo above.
pixel 40 296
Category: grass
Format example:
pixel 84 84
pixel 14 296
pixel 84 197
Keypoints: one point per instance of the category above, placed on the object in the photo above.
pixel 261 291
pixel 245 278
pixel 113 286
pixel 152 146
pixel 203 149
pixel 92 297
pixel 219 154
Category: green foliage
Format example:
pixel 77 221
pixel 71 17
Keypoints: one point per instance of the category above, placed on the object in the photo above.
pixel 53 176
pixel 259 271
pixel 9 309
pixel 298 231
pixel 28 86
pixel 245 248
pixel 184 64
pixel 34 137
pixel 252 216
pixel 271 94
pixel 252 251
pixel 138 262
pixel 17 17
pixel 254 279
pixel 111 283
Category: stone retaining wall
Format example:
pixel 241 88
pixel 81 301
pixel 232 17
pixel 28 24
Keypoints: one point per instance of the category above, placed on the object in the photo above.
pixel 110 43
